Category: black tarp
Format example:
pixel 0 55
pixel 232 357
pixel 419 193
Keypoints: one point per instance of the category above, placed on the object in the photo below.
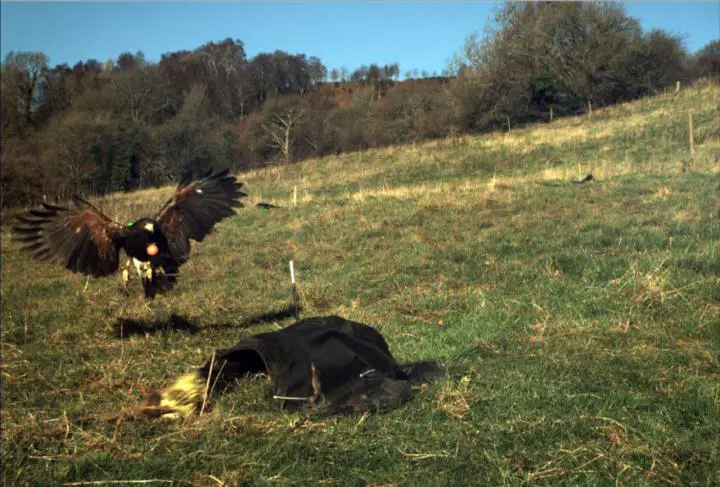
pixel 324 364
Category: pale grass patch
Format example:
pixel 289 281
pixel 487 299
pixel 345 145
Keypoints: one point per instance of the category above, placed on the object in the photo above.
pixel 398 192
pixel 651 290
pixel 564 174
pixel 698 350
pixel 560 135
pixel 448 194
pixel 650 286
pixel 716 166
pixel 523 141
pixel 685 217
pixel 451 141
pixel 275 170
pixel 330 172
pixel 349 309
pixel 142 196
pixel 14 369
pixel 453 399
pixel 661 194
pixel 553 173
pixel 550 270
pixel 628 118
pixel 123 207
pixel 537 333
pixel 491 184
pixel 644 350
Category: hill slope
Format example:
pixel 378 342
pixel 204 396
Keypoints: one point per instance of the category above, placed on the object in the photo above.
pixel 578 322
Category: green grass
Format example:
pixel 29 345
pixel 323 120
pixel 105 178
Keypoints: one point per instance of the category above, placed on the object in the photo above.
pixel 578 323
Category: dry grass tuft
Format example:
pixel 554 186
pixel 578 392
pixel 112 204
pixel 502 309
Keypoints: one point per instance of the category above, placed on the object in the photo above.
pixel 454 399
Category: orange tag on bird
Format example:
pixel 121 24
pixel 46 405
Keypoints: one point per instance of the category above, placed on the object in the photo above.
pixel 152 250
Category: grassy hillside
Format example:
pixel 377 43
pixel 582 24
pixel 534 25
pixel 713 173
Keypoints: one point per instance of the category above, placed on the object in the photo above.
pixel 579 323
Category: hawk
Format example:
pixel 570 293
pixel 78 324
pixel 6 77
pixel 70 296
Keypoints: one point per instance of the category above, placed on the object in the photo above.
pixel 83 239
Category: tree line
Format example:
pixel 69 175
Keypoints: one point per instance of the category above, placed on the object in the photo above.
pixel 128 123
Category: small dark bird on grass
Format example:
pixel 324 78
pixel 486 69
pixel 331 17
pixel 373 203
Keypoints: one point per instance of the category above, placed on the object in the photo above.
pixel 267 206
pixel 586 179
pixel 83 239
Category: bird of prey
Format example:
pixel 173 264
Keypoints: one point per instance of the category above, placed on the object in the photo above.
pixel 586 179
pixel 267 206
pixel 83 239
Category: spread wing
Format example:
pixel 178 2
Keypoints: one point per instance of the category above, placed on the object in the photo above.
pixel 81 239
pixel 195 208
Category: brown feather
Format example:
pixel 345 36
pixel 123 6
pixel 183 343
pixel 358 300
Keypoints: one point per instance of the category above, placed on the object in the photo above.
pixel 194 209
pixel 81 239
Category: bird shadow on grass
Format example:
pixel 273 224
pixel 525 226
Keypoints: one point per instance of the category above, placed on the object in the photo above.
pixel 126 328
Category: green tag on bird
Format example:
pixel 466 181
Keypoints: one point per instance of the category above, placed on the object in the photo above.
pixel 131 223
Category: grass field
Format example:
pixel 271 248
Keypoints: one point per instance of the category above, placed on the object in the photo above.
pixel 579 324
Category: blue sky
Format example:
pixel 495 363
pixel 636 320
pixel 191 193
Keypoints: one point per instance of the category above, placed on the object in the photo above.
pixel 417 35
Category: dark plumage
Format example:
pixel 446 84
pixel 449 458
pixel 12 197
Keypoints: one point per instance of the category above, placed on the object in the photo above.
pixel 267 206
pixel 586 179
pixel 83 239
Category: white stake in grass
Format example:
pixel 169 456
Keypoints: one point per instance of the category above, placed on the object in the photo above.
pixel 294 290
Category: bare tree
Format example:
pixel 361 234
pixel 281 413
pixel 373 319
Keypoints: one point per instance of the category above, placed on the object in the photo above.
pixel 27 69
pixel 317 71
pixel 281 131
pixel 391 71
pixel 141 93
pixel 344 74
pixel 68 159
pixel 222 68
